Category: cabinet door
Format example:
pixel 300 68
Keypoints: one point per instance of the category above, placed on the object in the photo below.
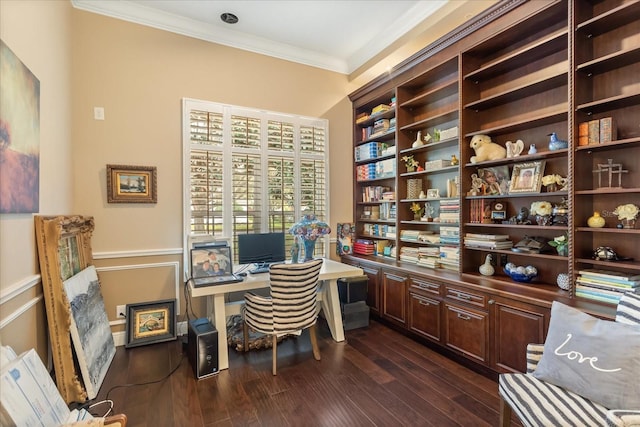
pixel 515 325
pixel 394 298
pixel 467 331
pixel 424 316
pixel 373 288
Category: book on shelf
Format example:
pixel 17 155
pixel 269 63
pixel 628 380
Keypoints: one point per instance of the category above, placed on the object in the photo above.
pixel 594 132
pixel 598 294
pixel 486 244
pixel 608 129
pixel 597 297
pixel 487 236
pixel 583 133
pixel 610 275
pixel 607 286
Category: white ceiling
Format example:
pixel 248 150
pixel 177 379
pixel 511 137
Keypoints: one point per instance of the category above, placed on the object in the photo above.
pixel 337 35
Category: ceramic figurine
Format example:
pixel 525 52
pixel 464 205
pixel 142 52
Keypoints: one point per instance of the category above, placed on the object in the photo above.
pixel 418 142
pixel 555 143
pixel 596 220
pixel 532 149
pixel 487 269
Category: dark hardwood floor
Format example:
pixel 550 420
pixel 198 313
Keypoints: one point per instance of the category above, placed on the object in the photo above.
pixel 378 377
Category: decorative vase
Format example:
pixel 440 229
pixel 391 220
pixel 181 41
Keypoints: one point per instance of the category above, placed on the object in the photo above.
pixel 628 223
pixel 563 281
pixel 309 247
pixel 596 221
pixel 306 232
pixel 418 142
pixel 295 252
pixel 563 250
pixel 544 220
pixel 487 269
pixel 417 216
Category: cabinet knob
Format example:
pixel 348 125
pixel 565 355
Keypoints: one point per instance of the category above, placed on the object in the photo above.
pixel 492 301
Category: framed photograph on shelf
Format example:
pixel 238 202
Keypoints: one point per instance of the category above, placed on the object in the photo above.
pixel 151 322
pixel 131 184
pixel 527 177
pixel 495 179
pixel 433 193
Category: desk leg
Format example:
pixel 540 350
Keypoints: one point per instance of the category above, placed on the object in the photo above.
pixel 217 315
pixel 331 308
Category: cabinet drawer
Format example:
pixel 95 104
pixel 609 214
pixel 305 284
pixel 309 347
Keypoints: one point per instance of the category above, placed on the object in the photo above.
pixel 466 296
pixel 424 316
pixel 467 331
pixel 424 287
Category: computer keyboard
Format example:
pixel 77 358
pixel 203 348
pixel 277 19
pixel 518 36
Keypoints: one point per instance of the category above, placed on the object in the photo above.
pixel 260 269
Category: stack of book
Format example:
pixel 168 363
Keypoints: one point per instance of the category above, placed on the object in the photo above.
pixel 450 257
pixel 450 235
pixel 429 256
pixel 450 211
pixel 364 247
pixel 409 254
pixel 487 241
pixel 409 235
pixel 606 286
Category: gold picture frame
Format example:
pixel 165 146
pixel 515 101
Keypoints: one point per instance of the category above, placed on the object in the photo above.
pixel 151 322
pixel 527 177
pixel 132 184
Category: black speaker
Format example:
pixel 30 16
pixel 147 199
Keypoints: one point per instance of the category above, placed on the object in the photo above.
pixel 202 347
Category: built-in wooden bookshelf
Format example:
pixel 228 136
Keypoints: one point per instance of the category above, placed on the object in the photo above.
pixel 519 72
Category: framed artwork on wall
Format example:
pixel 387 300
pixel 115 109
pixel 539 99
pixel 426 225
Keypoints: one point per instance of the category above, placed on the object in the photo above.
pixel 131 184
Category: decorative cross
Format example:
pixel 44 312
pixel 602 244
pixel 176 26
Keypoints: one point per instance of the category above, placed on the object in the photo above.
pixel 610 168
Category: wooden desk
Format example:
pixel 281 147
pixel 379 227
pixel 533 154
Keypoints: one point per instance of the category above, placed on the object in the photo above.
pixel 218 310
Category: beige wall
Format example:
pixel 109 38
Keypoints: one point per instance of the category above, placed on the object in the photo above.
pixel 39 33
pixel 139 76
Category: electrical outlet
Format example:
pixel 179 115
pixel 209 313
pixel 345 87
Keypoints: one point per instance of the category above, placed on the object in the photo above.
pixel 120 311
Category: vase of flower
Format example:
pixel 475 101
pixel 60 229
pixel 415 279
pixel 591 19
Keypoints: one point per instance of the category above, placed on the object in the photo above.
pixel 627 215
pixel 306 232
pixel 628 223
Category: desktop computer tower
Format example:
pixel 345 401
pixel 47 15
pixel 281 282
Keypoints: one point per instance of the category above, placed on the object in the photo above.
pixel 202 347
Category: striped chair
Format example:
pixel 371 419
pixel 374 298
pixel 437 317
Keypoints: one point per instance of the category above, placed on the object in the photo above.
pixel 291 307
pixel 541 404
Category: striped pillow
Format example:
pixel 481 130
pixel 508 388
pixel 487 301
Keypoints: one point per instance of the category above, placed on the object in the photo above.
pixel 628 310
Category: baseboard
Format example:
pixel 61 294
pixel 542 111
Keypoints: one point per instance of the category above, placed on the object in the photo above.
pixel 120 338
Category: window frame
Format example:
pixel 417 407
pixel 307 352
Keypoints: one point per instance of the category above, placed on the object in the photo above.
pixel 227 151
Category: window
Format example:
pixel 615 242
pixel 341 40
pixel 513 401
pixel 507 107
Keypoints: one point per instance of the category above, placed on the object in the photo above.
pixel 251 171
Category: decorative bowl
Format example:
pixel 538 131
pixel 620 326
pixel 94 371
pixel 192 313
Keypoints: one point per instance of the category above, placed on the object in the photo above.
pixel 521 277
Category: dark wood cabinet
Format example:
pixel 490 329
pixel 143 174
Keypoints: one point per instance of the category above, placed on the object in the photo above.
pixel 515 324
pixel 425 308
pixel 467 331
pixel 394 297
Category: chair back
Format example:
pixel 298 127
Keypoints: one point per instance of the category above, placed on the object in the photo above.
pixel 293 293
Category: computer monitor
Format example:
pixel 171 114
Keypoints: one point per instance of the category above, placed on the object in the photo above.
pixel 261 248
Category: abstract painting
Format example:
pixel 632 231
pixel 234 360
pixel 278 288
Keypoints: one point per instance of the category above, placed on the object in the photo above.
pixel 90 331
pixel 19 135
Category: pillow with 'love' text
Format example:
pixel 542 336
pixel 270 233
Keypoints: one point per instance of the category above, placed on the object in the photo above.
pixel 597 359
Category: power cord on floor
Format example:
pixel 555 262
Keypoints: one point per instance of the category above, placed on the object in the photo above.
pixel 144 383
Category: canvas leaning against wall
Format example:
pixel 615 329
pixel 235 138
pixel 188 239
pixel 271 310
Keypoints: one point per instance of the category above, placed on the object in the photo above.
pixel 19 135
pixel 90 330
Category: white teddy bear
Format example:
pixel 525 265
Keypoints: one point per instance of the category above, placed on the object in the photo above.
pixel 486 149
